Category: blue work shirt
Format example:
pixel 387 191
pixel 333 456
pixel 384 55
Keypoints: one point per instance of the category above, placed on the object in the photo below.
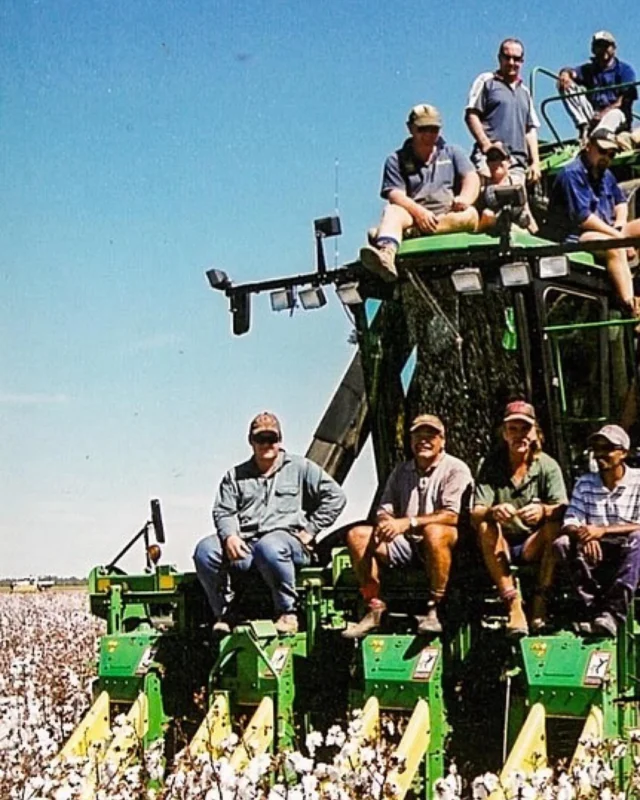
pixel 591 76
pixel 577 194
pixel 297 495
pixel 506 112
pixel 433 183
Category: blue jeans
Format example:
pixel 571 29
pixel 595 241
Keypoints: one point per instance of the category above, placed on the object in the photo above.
pixel 275 555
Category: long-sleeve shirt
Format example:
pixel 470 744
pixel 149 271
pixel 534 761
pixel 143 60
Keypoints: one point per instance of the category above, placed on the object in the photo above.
pixel 297 495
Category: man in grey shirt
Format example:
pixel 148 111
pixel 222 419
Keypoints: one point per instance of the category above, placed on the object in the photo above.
pixel 267 513
pixel 416 523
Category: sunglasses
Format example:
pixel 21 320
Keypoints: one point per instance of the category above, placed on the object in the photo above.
pixel 516 59
pixel 265 438
pixel 605 151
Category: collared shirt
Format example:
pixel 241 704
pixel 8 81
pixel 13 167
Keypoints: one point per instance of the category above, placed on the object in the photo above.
pixel 433 183
pixel 410 492
pixel 593 504
pixel 592 76
pixel 542 483
pixel 577 194
pixel 297 495
pixel 506 111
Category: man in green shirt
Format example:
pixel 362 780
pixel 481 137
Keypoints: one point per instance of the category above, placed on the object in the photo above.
pixel 518 505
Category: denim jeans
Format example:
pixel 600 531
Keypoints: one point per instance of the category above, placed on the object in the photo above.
pixel 611 584
pixel 275 555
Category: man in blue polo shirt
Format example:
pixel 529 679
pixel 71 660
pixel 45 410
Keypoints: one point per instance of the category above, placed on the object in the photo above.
pixel 586 203
pixel 430 187
pixel 500 112
pixel 607 107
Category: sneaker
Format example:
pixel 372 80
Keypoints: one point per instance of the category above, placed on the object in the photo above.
pixel 381 261
pixel 517 622
pixel 605 625
pixel 583 628
pixel 287 624
pixel 370 622
pixel 429 623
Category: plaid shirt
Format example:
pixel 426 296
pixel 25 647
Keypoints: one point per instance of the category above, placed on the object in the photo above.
pixel 593 504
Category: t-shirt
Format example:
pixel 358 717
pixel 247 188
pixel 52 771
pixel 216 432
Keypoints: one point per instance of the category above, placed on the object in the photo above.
pixel 543 483
pixel 506 111
pixel 410 492
pixel 433 183
pixel 591 76
pixel 577 194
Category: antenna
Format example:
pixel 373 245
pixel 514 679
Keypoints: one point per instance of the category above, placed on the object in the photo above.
pixel 336 201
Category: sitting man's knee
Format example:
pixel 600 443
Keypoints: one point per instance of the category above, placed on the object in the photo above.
pixel 359 535
pixel 562 547
pixel 208 553
pixel 437 535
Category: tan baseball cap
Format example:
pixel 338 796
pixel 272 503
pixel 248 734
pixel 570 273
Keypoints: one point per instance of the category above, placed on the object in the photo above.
pixel 614 434
pixel 265 421
pixel 424 114
pixel 427 421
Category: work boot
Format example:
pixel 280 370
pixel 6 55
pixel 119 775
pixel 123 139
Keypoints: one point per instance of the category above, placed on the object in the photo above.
pixel 517 622
pixel 370 622
pixel 221 627
pixel 381 261
pixel 287 624
pixel 429 624
pixel 605 625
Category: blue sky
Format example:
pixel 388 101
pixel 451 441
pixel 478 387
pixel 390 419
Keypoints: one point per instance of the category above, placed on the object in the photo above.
pixel 143 142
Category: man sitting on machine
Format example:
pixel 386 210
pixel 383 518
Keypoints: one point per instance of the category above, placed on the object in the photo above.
pixel 416 523
pixel 586 204
pixel 601 534
pixel 267 514
pixel 430 187
pixel 519 500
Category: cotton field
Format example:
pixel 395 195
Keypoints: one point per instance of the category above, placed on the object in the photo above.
pixel 47 660
pixel 47 652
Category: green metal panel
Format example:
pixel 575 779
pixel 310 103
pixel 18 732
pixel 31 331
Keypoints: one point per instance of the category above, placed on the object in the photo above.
pixel 124 660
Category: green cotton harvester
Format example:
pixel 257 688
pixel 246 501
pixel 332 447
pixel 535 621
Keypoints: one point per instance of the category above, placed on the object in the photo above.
pixel 472 320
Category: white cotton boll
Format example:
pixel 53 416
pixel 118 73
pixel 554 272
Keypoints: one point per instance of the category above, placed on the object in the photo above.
pixel 443 790
pixel 313 741
pixel 277 792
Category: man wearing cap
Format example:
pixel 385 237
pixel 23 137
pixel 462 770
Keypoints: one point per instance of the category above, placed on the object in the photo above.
pixel 601 534
pixel 267 513
pixel 416 524
pixel 586 204
pixel 607 107
pixel 498 165
pixel 430 187
pixel 500 111
pixel 517 510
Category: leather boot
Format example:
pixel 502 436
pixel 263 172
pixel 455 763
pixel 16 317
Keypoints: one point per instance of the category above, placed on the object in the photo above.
pixel 370 622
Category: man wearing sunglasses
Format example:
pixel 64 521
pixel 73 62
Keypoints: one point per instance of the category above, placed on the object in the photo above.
pixel 267 513
pixel 601 535
pixel 430 187
pixel 586 203
pixel 608 107
pixel 500 111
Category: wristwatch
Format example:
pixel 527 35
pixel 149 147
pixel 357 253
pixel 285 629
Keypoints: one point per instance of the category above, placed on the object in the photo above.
pixel 413 524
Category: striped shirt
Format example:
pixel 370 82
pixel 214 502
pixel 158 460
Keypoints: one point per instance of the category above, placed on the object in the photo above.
pixel 593 504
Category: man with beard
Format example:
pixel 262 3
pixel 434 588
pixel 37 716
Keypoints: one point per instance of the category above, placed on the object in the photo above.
pixel 430 187
pixel 416 524
pixel 610 106
pixel 518 504
pixel 586 204
pixel 601 534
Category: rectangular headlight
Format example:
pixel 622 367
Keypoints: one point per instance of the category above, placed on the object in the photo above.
pixel 467 280
pixel 515 274
pixel 553 267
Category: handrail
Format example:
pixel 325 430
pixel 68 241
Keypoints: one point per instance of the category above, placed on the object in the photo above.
pixel 555 98
pixel 534 73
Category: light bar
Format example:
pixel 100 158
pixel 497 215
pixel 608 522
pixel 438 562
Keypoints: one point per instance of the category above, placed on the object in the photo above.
pixel 515 274
pixel 282 300
pixel 553 267
pixel 467 280
pixel 311 298
pixel 349 294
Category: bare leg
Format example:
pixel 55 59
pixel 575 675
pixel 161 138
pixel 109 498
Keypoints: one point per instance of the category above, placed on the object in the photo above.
pixel 439 541
pixel 365 564
pixel 495 553
pixel 458 221
pixel 395 220
pixel 539 547
pixel 618 269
